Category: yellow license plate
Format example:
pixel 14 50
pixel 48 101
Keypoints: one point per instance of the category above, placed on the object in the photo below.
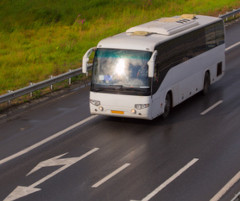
pixel 117 112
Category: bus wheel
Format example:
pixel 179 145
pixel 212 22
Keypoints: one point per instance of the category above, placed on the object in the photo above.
pixel 206 84
pixel 168 105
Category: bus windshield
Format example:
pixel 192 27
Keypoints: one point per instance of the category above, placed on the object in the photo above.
pixel 122 70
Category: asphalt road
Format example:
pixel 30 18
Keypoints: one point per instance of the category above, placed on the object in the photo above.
pixel 188 157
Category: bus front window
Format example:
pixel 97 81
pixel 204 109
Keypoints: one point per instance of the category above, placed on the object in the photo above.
pixel 121 68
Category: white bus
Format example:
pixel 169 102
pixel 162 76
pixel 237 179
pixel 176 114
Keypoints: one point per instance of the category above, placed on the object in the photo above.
pixel 150 68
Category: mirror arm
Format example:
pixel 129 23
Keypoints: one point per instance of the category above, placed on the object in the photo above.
pixel 86 59
pixel 151 63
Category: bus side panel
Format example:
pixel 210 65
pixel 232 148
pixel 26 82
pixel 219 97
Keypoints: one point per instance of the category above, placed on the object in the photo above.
pixel 158 100
pixel 186 79
pixel 217 66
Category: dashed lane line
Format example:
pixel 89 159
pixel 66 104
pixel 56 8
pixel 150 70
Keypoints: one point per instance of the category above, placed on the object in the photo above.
pixel 212 107
pixel 232 46
pixel 171 179
pixel 108 177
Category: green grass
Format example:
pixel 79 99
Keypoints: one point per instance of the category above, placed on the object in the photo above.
pixel 49 37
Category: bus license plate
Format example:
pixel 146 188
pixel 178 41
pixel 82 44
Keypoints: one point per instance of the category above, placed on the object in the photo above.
pixel 117 112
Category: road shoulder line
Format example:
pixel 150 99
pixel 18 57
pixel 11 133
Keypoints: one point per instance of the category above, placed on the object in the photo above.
pixel 52 137
pixel 224 190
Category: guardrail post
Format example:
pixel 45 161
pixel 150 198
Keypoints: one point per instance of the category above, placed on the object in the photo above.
pixel 70 79
pixel 9 101
pixel 31 93
pixel 51 86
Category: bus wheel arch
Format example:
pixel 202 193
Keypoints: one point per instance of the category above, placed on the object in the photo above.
pixel 206 83
pixel 168 104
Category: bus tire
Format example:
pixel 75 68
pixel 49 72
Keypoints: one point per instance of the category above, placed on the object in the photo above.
pixel 168 105
pixel 206 84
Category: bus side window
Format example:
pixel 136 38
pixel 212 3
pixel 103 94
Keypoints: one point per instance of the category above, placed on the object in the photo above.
pixel 219 33
pixel 210 37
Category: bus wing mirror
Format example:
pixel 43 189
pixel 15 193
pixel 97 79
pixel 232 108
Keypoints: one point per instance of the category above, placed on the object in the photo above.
pixel 86 59
pixel 151 63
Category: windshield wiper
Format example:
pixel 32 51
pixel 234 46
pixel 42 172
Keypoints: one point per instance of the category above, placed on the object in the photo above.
pixel 135 89
pixel 115 86
pixel 120 87
pixel 108 87
pixel 97 90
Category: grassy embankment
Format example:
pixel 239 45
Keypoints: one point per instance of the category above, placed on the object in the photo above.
pixel 48 37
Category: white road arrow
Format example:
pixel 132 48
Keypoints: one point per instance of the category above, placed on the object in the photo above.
pixel 55 161
pixel 22 191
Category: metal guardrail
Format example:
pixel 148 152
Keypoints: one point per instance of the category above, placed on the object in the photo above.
pixel 40 85
pixel 231 14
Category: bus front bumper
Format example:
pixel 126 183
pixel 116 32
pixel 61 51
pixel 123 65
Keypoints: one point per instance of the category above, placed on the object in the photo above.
pixel 120 105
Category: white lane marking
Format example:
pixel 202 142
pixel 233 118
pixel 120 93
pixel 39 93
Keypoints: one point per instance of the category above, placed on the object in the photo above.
pixel 21 191
pixel 232 46
pixel 55 161
pixel 223 191
pixel 38 144
pixel 67 163
pixel 236 197
pixel 110 175
pixel 172 178
pixel 212 107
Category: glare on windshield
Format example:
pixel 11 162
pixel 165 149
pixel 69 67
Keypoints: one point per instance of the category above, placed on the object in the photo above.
pixel 127 68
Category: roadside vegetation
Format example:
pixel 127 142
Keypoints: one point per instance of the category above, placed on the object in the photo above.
pixel 49 37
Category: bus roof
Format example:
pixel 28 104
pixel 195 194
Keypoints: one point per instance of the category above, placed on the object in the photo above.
pixel 146 36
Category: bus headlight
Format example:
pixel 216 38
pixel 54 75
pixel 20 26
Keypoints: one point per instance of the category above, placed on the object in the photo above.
pixel 133 111
pixel 100 108
pixel 141 106
pixel 95 102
